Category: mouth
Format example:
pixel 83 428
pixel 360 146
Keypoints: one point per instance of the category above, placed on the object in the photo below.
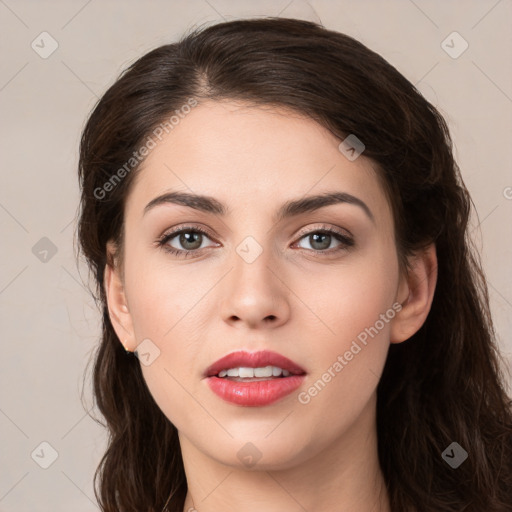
pixel 253 366
pixel 254 379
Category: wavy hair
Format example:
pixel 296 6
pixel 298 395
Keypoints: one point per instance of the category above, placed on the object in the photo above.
pixel 444 384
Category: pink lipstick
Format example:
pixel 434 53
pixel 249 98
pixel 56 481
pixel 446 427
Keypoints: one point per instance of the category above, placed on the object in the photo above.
pixel 254 379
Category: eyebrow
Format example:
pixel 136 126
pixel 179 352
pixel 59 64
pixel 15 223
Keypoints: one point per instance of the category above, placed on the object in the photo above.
pixel 291 208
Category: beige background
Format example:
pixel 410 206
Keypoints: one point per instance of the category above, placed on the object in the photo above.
pixel 49 322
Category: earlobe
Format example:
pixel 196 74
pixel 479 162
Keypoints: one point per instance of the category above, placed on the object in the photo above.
pixel 416 293
pixel 118 310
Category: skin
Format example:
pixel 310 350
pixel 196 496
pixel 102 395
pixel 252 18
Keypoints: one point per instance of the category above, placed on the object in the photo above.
pixel 316 456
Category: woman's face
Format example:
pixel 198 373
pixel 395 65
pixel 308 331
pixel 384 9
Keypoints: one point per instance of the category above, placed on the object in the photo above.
pixel 258 281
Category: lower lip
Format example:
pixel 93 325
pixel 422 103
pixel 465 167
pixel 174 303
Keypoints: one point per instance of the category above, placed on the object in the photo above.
pixel 254 394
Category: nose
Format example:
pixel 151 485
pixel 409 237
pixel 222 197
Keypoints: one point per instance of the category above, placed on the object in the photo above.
pixel 254 294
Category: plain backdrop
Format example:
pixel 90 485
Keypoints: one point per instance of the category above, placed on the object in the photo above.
pixel 58 58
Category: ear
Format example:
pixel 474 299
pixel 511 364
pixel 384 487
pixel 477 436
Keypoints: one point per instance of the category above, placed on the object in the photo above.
pixel 415 293
pixel 119 313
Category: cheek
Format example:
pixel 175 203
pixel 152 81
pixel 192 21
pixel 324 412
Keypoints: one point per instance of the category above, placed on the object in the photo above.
pixel 162 304
pixel 350 297
pixel 356 317
pixel 168 307
pixel 344 375
pixel 160 297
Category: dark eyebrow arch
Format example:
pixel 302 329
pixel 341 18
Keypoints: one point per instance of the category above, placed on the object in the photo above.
pixel 306 204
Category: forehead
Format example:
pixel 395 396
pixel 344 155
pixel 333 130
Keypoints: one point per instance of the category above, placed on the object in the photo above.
pixel 250 157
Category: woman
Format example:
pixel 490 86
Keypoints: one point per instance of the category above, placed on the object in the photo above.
pixel 275 370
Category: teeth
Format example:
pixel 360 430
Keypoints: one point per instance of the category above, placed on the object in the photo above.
pixel 264 372
pixel 245 372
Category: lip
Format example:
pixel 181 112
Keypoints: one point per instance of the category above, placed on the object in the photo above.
pixel 257 393
pixel 253 360
pixel 254 394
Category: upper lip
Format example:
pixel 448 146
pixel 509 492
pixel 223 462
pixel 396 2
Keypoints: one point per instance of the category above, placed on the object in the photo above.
pixel 253 360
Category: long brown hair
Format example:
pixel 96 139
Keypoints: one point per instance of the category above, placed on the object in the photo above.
pixel 443 385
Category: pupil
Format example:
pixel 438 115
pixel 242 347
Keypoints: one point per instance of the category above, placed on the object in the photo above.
pixel 325 237
pixel 184 240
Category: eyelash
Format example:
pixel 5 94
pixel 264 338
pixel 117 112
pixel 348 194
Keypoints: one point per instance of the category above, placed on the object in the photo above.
pixel 346 241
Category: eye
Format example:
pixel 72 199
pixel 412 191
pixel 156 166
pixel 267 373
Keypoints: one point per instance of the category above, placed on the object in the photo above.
pixel 320 240
pixel 190 238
